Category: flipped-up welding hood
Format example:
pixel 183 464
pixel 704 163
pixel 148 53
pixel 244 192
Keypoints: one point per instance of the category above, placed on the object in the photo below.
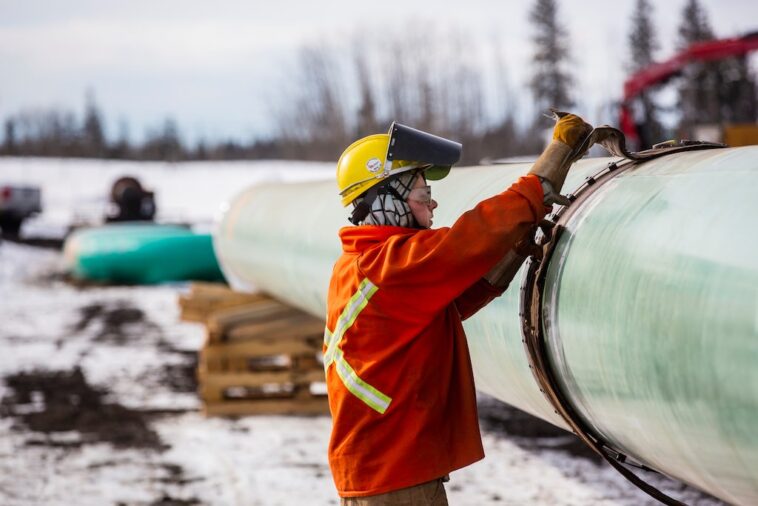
pixel 407 143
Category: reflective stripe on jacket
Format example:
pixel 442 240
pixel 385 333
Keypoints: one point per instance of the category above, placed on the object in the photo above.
pixel 401 388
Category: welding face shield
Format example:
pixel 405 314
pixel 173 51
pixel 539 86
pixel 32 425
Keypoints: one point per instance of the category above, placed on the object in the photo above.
pixel 437 154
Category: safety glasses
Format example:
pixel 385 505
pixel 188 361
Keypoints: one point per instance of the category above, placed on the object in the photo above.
pixel 421 195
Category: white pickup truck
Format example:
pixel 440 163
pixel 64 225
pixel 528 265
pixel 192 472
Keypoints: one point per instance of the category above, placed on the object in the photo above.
pixel 17 202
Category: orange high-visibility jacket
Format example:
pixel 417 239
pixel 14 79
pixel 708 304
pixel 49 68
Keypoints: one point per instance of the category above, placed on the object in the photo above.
pixel 398 371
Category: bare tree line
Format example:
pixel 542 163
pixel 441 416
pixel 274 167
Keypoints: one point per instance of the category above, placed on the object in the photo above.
pixel 433 80
pixel 63 133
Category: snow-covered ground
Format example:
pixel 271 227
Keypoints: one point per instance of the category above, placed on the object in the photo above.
pixel 76 190
pixel 97 401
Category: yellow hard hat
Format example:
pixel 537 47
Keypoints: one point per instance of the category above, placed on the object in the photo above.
pixel 371 160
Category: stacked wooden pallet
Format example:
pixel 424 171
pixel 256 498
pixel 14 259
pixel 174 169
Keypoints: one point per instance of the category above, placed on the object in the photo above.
pixel 259 357
pixel 204 299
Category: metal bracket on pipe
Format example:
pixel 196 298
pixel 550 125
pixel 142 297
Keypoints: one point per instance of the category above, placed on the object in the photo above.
pixel 532 287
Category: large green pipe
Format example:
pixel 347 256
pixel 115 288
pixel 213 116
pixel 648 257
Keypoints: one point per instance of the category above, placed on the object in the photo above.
pixel 651 302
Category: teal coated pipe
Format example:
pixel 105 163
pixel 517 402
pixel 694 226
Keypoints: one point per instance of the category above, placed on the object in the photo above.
pixel 140 253
pixel 651 302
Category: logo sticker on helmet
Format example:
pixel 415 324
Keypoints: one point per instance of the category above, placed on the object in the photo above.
pixel 374 165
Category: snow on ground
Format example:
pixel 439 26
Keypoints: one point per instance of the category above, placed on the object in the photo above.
pixel 76 190
pixel 97 389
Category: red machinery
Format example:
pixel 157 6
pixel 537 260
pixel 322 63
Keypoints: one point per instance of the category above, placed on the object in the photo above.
pixel 659 73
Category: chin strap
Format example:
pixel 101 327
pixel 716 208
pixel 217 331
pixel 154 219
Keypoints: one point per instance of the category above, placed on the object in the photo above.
pixel 361 210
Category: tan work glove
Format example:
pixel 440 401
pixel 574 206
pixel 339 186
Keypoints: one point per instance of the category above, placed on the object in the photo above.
pixel 570 129
pixel 552 166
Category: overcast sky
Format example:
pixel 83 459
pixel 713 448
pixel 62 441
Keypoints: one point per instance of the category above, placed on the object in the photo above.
pixel 216 66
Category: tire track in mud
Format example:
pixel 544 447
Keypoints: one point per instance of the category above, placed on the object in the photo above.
pixel 56 402
pixel 63 411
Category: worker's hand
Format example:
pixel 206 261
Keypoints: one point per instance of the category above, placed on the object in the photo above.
pixel 550 196
pixel 567 146
pixel 503 272
pixel 570 129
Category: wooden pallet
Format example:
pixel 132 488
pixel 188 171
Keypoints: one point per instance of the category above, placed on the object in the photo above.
pixel 206 298
pixel 259 357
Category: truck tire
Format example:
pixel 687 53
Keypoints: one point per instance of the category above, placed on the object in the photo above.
pixel 10 226
pixel 121 185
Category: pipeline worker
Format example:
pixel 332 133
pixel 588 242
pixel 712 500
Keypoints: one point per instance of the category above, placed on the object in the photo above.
pixel 399 376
